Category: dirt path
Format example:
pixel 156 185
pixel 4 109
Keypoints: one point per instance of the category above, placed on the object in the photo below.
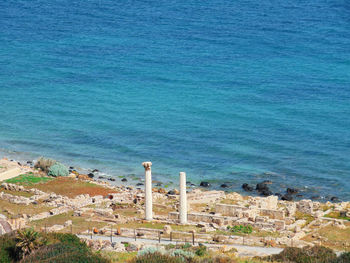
pixel 243 251
pixel 11 173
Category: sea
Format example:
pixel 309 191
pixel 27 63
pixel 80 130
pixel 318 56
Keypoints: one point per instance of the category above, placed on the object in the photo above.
pixel 228 91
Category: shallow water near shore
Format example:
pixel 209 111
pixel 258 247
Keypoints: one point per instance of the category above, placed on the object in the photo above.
pixel 228 91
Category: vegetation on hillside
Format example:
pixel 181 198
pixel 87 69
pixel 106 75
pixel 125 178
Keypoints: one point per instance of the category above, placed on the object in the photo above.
pixel 31 246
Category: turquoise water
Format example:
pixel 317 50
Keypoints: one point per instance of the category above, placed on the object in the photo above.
pixel 228 91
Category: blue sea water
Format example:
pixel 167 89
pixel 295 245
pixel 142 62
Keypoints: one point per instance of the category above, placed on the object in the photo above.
pixel 228 91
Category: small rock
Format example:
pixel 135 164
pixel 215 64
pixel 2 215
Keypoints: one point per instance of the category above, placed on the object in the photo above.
pixel 266 192
pixel 224 186
pixel 171 192
pixel 91 175
pixel 204 184
pixel 247 187
pixel 139 184
pixel 335 199
pixel 95 171
pixel 124 180
pixel 292 191
pixel 287 197
pixel 261 187
pixel 267 182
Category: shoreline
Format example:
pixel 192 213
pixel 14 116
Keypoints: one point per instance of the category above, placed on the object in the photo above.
pixel 288 193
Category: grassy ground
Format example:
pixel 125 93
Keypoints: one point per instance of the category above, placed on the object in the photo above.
pixel 308 218
pixel 17 193
pixel 336 238
pixel 67 186
pixel 229 202
pixel 117 256
pixel 337 216
pixel 29 179
pixel 79 224
pixel 14 209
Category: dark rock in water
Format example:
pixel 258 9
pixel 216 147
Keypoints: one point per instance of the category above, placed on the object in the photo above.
pixel 335 199
pixel 171 192
pixel 101 177
pixel 29 162
pixel 278 194
pixel 287 197
pixel 247 187
pixel 266 192
pixel 129 188
pixel 111 179
pixel 95 171
pixel 267 182
pixel 139 184
pixel 91 175
pixel 315 197
pixel 224 186
pixel 71 167
pixel 262 187
pixel 188 182
pixel 158 184
pixel 19 163
pixel 292 191
pixel 124 180
pixel 193 185
pixel 204 184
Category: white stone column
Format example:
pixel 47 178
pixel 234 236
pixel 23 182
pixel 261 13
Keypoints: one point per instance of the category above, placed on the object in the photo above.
pixel 183 199
pixel 148 190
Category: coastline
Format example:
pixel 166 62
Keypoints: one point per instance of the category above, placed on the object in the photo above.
pixel 159 180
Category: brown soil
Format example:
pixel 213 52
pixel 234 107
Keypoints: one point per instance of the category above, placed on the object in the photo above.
pixel 72 187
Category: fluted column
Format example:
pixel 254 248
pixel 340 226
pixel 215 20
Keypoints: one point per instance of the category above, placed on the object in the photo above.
pixel 148 190
pixel 183 199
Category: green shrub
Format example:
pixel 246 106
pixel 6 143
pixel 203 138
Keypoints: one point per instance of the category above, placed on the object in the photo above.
pixel 7 248
pixel 219 259
pixel 62 253
pixel 201 251
pixel 58 169
pixel 316 254
pixel 156 258
pixel 44 164
pixel 343 258
pixel 240 229
pixel 186 246
pixel 68 239
pixel 150 250
pixel 185 255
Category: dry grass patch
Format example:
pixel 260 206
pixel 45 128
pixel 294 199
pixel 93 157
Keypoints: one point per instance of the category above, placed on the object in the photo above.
pixel 229 202
pixel 79 224
pixel 72 187
pixel 162 209
pixel 17 193
pixel 14 209
pixel 156 225
pixel 333 237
